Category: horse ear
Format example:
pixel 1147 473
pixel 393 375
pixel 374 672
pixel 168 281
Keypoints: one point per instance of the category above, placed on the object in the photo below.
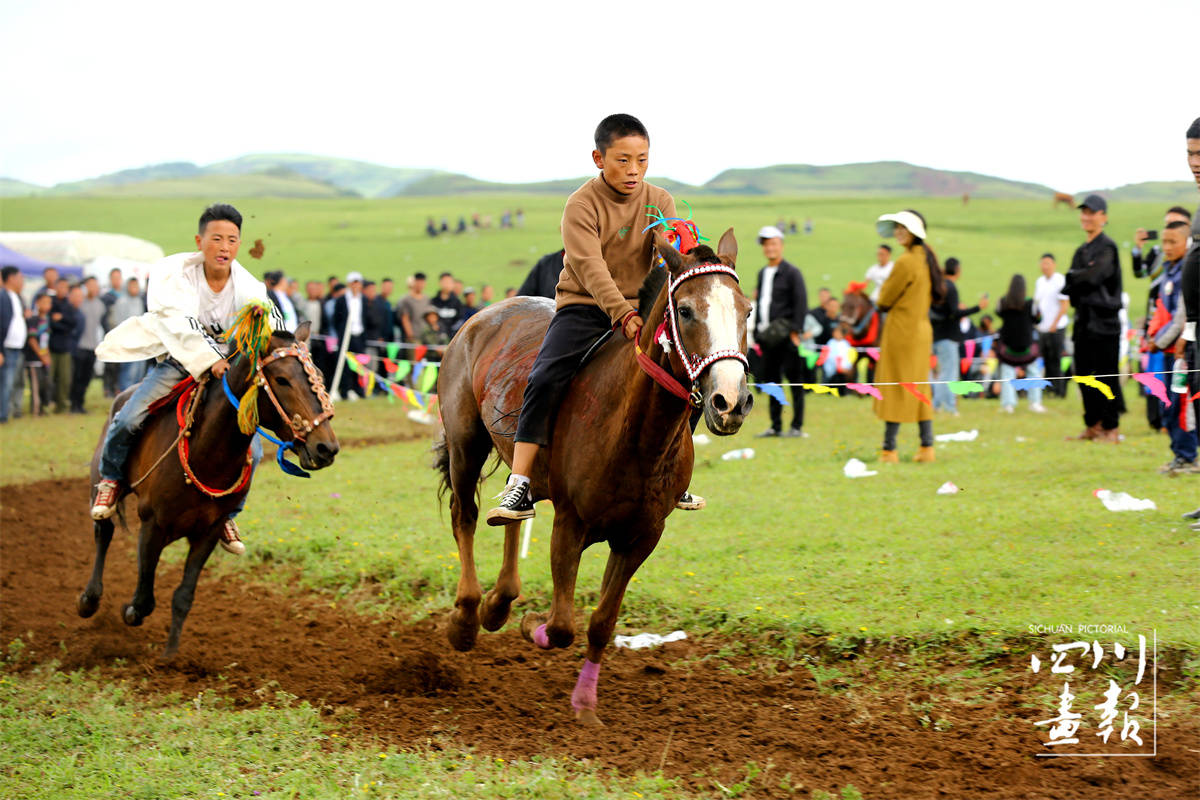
pixel 669 254
pixel 727 247
pixel 302 331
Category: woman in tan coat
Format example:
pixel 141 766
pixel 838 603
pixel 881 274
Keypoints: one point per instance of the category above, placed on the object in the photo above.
pixel 907 342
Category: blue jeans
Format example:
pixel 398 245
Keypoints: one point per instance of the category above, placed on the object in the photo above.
pixel 1183 443
pixel 8 377
pixel 946 351
pixel 129 420
pixel 130 373
pixel 1008 395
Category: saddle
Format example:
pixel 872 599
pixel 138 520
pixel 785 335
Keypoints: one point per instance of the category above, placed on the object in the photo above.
pixel 184 386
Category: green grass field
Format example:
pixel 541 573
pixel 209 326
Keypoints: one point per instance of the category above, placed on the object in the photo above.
pixel 788 548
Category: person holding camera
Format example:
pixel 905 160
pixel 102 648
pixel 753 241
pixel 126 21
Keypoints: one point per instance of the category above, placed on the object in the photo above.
pixel 778 323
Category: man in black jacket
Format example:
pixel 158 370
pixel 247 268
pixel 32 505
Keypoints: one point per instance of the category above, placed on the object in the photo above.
pixel 543 278
pixel 1190 281
pixel 778 321
pixel 1094 286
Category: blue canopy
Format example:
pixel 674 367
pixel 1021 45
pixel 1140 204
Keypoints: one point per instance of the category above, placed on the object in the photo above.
pixel 32 267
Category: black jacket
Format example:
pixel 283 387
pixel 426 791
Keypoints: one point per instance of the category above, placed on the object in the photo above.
pixel 542 280
pixel 1190 279
pixel 377 319
pixel 65 331
pixel 341 315
pixel 789 297
pixel 450 311
pixel 945 315
pixel 1146 261
pixel 1094 285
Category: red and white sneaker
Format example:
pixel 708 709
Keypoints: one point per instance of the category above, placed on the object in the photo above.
pixel 107 493
pixel 230 540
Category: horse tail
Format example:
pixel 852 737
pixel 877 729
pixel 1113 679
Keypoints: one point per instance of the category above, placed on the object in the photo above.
pixel 441 463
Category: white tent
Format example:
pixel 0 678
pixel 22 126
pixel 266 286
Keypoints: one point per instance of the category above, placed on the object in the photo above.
pixel 79 248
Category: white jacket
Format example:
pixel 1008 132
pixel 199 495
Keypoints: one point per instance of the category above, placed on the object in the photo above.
pixel 170 325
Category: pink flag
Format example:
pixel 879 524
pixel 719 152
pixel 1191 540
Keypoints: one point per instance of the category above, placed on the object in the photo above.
pixel 331 344
pixel 1156 386
pixel 865 388
pixel 873 352
pixel 970 347
pixel 363 358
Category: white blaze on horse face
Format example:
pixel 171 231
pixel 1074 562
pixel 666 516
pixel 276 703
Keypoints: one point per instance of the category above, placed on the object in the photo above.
pixel 722 323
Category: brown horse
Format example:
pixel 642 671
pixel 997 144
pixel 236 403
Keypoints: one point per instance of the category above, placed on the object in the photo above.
pixel 862 323
pixel 621 449
pixel 1062 198
pixel 292 403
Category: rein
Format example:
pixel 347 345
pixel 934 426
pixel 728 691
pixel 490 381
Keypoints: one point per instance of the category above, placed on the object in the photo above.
pixel 297 425
pixel 694 364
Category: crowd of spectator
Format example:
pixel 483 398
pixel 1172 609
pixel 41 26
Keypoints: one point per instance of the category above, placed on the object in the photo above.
pixel 508 219
pixel 49 341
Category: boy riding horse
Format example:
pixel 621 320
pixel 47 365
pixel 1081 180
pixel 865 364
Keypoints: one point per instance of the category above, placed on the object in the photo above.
pixel 192 299
pixel 608 253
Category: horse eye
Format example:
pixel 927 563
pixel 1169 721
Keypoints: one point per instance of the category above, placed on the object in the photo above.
pixel 282 381
pixel 685 312
pixel 749 313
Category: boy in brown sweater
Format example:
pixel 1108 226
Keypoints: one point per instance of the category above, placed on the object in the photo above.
pixel 608 254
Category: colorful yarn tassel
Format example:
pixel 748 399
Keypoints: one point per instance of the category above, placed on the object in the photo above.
pixel 250 336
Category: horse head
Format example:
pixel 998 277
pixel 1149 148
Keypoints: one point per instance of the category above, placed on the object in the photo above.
pixel 296 407
pixel 709 328
pixel 856 314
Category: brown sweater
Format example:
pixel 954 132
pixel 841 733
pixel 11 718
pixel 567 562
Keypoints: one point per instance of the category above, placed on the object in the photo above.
pixel 607 255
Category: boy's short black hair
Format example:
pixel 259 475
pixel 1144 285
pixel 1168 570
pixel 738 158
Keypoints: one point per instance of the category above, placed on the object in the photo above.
pixel 419 276
pixel 616 126
pixel 446 275
pixel 1177 224
pixel 220 211
pixel 368 283
pixel 7 273
pixel 1180 210
pixel 1194 129
pixel 1049 256
pixel 951 266
pixel 887 247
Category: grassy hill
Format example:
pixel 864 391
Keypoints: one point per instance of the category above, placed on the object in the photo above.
pixel 1170 192
pixel 216 187
pixel 876 178
pixel 10 187
pixel 360 177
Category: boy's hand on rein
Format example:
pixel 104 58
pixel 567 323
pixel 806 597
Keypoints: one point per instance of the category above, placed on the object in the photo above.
pixel 633 325
pixel 218 369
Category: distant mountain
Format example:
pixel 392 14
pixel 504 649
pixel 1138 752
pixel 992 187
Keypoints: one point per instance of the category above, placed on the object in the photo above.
pixel 301 175
pixel 10 187
pixel 1168 192
pixel 875 178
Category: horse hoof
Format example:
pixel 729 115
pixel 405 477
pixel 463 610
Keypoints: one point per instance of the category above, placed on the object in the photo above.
pixel 168 654
pixel 588 718
pixel 530 623
pixel 131 616
pixel 87 605
pixel 494 613
pixel 461 634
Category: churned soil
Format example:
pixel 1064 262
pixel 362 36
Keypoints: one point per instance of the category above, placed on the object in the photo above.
pixel 697 716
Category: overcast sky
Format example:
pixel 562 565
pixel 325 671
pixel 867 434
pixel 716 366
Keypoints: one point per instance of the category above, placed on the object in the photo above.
pixel 1072 95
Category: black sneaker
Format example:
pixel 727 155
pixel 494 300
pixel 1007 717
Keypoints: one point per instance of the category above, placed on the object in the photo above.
pixel 768 432
pixel 796 433
pixel 1192 514
pixel 515 505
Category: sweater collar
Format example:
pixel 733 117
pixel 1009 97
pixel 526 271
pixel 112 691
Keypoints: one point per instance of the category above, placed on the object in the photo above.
pixel 615 196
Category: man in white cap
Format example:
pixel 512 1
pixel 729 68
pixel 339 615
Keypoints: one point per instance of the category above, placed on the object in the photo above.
pixel 778 321
pixel 348 321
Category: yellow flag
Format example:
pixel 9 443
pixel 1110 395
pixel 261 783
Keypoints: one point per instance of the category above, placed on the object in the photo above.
pixel 1095 383
pixel 818 388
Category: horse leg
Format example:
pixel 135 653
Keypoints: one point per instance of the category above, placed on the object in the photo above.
pixel 150 547
pixel 566 545
pixel 181 602
pixel 89 600
pixel 620 568
pixel 467 457
pixel 498 602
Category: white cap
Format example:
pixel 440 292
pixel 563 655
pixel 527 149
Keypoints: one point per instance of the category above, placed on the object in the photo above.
pixel 886 224
pixel 354 276
pixel 769 232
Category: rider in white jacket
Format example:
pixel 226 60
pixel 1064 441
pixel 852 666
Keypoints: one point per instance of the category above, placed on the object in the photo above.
pixel 191 299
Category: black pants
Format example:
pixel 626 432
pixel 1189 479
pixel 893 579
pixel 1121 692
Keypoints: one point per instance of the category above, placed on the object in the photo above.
pixel 349 382
pixel 1051 345
pixel 572 332
pixel 1098 355
pixel 779 362
pixel 82 364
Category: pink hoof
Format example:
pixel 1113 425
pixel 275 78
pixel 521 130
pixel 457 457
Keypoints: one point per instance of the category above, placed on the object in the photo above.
pixel 540 638
pixel 584 696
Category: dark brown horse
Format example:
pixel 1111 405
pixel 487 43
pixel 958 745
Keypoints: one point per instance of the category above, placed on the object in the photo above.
pixel 862 324
pixel 621 449
pixel 171 506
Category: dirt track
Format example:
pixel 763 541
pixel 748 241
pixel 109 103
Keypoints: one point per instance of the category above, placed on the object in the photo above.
pixel 698 721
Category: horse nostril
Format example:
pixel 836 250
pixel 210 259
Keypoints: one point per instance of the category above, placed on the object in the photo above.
pixel 747 403
pixel 326 451
pixel 719 403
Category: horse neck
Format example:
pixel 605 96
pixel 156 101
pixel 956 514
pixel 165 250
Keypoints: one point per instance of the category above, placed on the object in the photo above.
pixel 216 438
pixel 654 417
